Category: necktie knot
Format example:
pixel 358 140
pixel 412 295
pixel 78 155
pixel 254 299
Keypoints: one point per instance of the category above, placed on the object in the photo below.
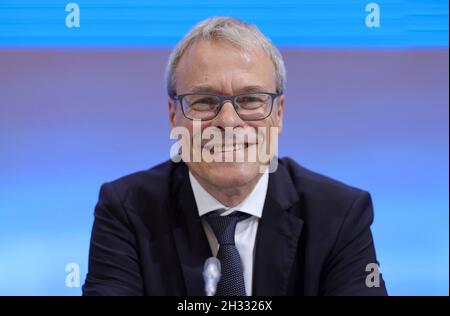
pixel 224 227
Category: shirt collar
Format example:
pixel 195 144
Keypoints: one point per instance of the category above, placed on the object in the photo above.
pixel 253 204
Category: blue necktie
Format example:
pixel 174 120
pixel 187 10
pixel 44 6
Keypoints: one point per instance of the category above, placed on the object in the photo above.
pixel 232 281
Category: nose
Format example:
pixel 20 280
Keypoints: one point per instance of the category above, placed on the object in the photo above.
pixel 227 117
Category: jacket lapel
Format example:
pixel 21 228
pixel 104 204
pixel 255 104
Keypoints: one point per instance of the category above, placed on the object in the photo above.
pixel 278 235
pixel 279 231
pixel 190 239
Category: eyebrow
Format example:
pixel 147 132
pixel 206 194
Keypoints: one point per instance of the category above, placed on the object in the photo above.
pixel 205 88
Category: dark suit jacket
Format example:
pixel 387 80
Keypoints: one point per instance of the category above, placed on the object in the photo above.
pixel 313 238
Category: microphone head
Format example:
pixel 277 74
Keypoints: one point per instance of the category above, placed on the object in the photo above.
pixel 211 275
pixel 212 267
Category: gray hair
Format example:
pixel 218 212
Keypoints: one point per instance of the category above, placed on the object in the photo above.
pixel 238 33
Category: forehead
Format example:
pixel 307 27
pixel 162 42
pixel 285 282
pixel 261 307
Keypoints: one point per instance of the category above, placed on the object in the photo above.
pixel 223 67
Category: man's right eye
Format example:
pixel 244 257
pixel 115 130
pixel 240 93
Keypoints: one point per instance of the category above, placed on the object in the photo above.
pixel 204 102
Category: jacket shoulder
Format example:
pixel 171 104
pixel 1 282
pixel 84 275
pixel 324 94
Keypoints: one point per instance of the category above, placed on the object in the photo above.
pixel 315 186
pixel 154 182
pixel 308 178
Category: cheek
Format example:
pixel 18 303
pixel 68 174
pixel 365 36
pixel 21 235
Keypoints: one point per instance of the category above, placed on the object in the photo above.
pixel 275 121
pixel 274 116
pixel 196 131
pixel 180 119
pixel 265 126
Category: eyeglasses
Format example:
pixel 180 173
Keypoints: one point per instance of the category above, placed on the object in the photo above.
pixel 206 106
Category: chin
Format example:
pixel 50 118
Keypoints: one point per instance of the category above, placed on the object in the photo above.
pixel 229 174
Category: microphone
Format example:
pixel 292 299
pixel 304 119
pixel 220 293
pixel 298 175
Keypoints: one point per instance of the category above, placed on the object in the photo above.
pixel 211 275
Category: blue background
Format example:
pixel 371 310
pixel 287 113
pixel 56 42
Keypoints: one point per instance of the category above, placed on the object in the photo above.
pixel 159 23
pixel 56 151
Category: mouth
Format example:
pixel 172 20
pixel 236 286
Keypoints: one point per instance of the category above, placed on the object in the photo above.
pixel 226 148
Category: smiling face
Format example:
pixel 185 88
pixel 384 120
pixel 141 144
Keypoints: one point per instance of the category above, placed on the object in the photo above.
pixel 220 68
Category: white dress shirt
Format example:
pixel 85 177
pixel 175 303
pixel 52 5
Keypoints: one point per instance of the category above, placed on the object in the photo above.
pixel 245 233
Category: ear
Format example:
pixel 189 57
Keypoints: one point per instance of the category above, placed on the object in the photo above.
pixel 172 116
pixel 280 111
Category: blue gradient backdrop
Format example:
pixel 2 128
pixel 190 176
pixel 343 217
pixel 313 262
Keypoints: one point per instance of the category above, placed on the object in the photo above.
pixel 79 107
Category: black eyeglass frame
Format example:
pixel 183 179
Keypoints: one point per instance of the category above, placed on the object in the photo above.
pixel 223 98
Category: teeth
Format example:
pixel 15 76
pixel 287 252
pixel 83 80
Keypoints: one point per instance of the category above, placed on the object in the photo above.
pixel 227 148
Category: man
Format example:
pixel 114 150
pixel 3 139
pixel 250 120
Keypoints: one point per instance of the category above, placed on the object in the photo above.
pixel 276 227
